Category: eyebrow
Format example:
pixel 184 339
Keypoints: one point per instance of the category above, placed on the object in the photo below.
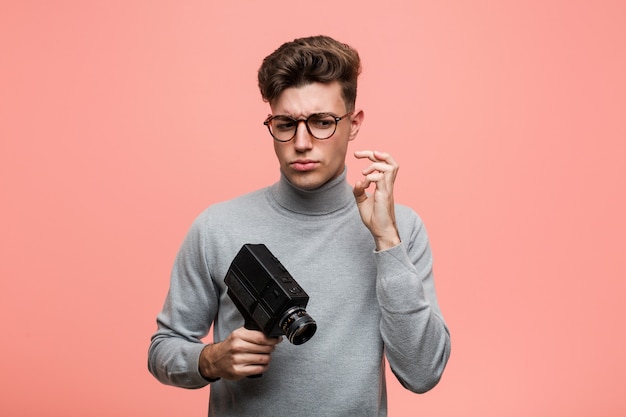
pixel 326 113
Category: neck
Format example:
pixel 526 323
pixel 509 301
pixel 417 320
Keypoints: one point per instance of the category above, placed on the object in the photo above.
pixel 332 196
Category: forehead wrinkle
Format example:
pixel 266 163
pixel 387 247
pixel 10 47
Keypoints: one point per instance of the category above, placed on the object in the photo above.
pixel 301 102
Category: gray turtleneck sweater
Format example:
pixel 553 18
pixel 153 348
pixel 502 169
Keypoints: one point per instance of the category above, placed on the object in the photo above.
pixel 368 305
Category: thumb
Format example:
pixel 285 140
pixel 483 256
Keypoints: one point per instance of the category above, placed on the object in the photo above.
pixel 359 191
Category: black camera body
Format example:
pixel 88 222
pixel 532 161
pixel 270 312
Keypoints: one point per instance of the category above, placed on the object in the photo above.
pixel 267 296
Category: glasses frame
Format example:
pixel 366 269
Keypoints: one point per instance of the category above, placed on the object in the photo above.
pixel 271 117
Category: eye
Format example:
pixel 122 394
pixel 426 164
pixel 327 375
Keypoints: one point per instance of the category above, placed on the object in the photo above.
pixel 283 123
pixel 321 121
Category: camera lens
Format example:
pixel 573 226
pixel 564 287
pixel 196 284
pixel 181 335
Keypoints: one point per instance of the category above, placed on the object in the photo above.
pixel 297 325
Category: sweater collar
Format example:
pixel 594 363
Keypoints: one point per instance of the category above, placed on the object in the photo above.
pixel 328 198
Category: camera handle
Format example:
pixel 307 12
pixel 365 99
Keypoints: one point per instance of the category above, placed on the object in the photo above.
pixel 251 325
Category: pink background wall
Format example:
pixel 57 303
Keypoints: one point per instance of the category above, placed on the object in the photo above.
pixel 121 120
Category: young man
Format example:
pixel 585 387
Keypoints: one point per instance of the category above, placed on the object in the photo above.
pixel 364 261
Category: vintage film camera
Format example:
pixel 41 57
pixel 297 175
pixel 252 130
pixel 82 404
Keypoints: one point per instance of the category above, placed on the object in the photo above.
pixel 268 297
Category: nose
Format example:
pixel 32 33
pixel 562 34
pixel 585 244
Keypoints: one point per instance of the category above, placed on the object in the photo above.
pixel 303 141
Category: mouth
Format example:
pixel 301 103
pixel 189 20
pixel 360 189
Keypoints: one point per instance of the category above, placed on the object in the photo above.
pixel 304 165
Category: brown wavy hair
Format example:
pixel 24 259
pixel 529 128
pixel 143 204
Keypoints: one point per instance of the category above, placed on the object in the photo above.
pixel 307 60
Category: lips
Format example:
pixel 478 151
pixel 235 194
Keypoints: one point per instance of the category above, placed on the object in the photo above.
pixel 304 165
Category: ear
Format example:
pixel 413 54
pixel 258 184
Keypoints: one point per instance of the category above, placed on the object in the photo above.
pixel 355 123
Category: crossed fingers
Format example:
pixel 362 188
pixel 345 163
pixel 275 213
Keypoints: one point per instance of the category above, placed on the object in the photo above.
pixel 383 167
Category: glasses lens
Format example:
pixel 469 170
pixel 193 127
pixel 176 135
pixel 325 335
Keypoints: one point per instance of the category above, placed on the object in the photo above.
pixel 283 128
pixel 322 126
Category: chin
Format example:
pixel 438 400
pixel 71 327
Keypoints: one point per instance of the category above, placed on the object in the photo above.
pixel 307 181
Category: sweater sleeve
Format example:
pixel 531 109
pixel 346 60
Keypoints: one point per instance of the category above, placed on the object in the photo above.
pixel 417 340
pixel 186 317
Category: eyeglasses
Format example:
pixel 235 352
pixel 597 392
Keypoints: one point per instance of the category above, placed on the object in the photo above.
pixel 319 125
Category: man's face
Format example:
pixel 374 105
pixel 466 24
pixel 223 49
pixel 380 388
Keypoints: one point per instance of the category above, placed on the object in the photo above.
pixel 307 162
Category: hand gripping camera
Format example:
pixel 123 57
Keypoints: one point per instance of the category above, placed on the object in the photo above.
pixel 267 296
